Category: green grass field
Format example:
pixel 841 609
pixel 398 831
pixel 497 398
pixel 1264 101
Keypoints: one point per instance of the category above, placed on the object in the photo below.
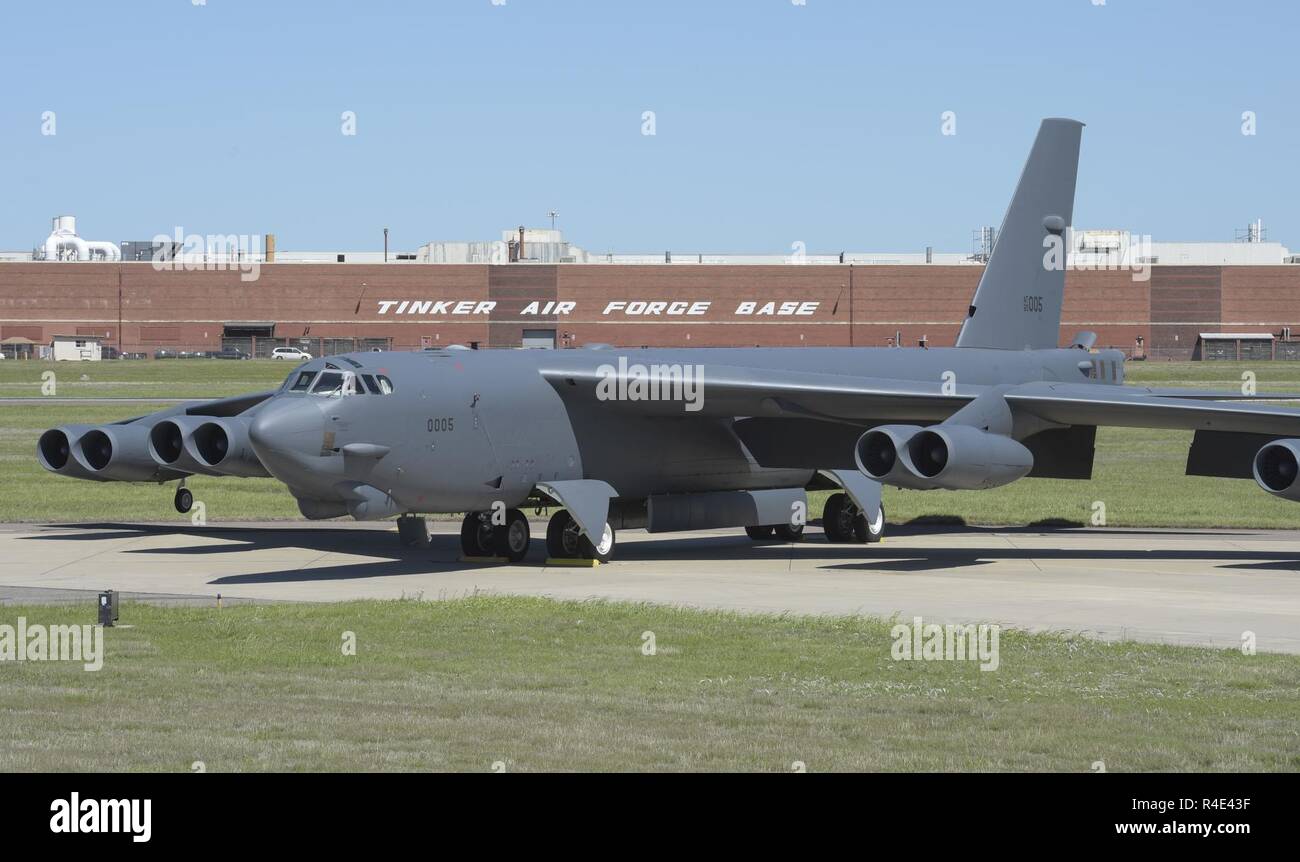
pixel 543 685
pixel 167 378
pixel 1138 473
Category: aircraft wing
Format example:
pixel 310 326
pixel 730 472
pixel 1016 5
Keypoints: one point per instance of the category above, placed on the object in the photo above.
pixel 729 391
pixel 1212 394
pixel 1085 404
pixel 231 406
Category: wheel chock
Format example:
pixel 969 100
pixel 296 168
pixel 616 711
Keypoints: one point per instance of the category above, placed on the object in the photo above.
pixel 574 563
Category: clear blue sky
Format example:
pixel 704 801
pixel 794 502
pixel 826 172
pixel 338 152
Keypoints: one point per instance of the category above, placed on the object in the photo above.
pixel 775 122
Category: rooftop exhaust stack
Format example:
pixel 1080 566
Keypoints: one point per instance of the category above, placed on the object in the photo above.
pixel 64 244
pixel 1253 232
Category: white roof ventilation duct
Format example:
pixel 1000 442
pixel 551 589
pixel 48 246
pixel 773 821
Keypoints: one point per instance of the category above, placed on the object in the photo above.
pixel 64 244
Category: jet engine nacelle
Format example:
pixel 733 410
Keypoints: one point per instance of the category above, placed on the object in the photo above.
pixel 120 453
pixel 882 454
pixel 55 451
pixel 171 444
pixel 962 457
pixel 953 457
pixel 222 445
pixel 1276 467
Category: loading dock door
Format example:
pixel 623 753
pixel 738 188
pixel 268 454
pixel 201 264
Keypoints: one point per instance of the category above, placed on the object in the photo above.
pixel 248 330
pixel 539 339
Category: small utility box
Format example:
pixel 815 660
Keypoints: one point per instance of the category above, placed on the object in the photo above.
pixel 108 608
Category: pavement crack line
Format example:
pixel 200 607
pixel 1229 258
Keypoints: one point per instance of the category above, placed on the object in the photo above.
pixel 117 548
pixel 1014 546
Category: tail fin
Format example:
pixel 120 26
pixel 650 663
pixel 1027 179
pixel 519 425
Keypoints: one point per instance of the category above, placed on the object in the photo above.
pixel 1017 305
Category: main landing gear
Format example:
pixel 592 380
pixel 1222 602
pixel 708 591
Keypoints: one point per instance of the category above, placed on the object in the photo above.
pixel 565 541
pixel 843 521
pixel 479 537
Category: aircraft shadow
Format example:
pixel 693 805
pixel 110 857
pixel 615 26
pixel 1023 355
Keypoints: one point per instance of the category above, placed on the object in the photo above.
pixel 442 554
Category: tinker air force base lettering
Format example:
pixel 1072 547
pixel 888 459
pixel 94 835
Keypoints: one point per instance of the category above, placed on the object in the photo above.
pixel 634 308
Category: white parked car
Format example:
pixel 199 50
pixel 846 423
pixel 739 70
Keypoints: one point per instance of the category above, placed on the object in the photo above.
pixel 290 353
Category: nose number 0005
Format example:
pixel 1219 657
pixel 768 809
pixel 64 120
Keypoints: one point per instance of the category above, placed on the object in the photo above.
pixel 437 426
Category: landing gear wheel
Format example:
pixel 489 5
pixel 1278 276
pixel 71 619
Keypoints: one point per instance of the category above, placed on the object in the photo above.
pixel 789 532
pixel 511 539
pixel 840 520
pixel 602 550
pixel 562 537
pixel 184 500
pixel 476 536
pixel 565 541
pixel 875 530
pixel 759 534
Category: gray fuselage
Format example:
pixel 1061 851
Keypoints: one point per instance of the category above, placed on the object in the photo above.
pixel 462 429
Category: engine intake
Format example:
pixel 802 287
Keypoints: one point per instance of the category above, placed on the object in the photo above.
pixel 955 457
pixel 1276 468
pixel 223 446
pixel 55 451
pixel 170 444
pixel 961 457
pixel 120 453
pixel 883 454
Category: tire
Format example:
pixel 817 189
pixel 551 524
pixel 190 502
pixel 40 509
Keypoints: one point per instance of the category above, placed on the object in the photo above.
pixel 562 537
pixel 837 518
pixel 184 500
pixel 875 532
pixel 476 537
pixel 759 534
pixel 789 532
pixel 565 542
pixel 511 539
pixel 603 551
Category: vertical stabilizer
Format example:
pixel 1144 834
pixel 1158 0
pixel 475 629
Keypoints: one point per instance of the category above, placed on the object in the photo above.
pixel 1017 305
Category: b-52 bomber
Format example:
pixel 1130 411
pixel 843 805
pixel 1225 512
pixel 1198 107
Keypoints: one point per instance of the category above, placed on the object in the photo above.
pixel 684 439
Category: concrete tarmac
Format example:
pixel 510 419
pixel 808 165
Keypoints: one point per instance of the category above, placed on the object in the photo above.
pixel 1204 587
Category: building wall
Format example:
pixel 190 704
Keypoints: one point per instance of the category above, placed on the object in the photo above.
pixel 861 305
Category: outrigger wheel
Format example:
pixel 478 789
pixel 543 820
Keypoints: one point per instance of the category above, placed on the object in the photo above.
pixel 184 500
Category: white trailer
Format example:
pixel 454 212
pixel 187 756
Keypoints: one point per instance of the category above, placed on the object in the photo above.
pixel 78 348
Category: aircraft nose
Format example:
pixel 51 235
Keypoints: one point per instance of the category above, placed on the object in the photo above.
pixel 287 425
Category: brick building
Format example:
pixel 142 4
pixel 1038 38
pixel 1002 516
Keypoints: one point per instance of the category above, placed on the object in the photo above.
pixel 336 306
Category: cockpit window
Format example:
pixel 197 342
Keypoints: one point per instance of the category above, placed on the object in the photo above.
pixel 329 383
pixel 335 383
